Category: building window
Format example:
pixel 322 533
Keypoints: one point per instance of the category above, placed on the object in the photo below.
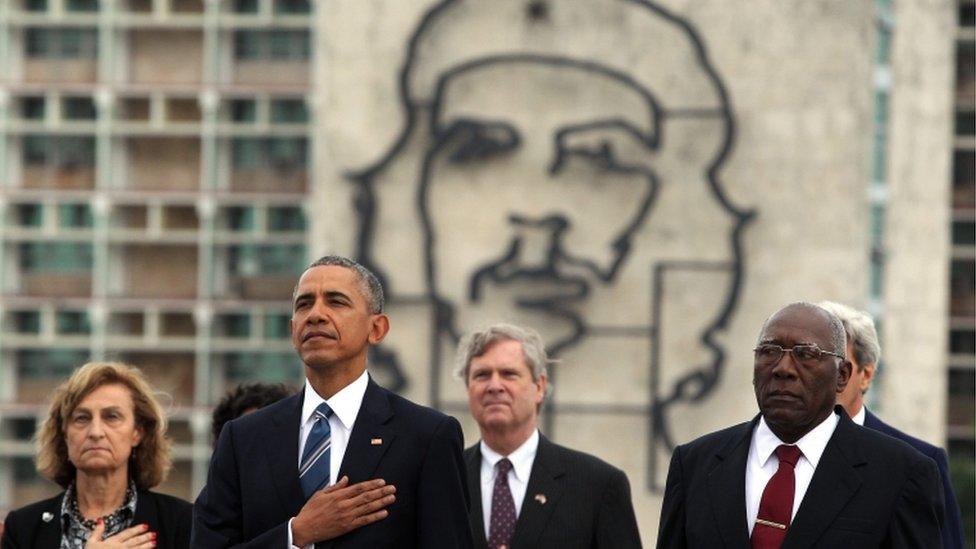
pixel 236 325
pixel 82 5
pixel 279 45
pixel 286 218
pixel 55 364
pixel 965 123
pixel 55 257
pixel 67 152
pixel 290 7
pixel 256 260
pixel 32 108
pixel 75 216
pixel 962 288
pixel 62 43
pixel 78 108
pixel 283 154
pixel 240 218
pixel 243 110
pixel 25 322
pixel 35 5
pixel 964 179
pixel 276 326
pixel 245 6
pixel 22 428
pixel 73 323
pixel 28 215
pixel 289 111
pixel 964 233
pixel 267 367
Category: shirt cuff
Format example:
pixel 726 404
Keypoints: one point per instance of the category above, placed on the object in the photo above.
pixel 290 538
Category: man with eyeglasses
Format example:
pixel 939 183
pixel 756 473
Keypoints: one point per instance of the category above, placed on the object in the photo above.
pixel 864 352
pixel 801 473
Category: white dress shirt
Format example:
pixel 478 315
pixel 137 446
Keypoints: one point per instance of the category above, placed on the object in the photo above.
pixel 345 407
pixel 518 477
pixel 762 463
pixel 860 415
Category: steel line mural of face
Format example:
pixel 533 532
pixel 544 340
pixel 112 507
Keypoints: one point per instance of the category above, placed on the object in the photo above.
pixel 560 169
pixel 567 191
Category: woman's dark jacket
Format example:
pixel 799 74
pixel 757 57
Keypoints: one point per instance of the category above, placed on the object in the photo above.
pixel 169 517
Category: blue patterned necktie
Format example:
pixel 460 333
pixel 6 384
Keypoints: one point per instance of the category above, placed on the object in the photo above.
pixel 313 472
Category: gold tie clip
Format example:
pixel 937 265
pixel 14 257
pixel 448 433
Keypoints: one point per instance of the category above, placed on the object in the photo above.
pixel 771 524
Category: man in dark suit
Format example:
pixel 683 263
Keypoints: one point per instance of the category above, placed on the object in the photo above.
pixel 800 474
pixel 864 352
pixel 527 491
pixel 272 480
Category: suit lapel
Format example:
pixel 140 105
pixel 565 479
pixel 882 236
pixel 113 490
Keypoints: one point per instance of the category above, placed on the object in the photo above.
pixel 833 484
pixel 49 532
pixel 370 437
pixel 727 488
pixel 472 461
pixel 282 448
pixel 542 495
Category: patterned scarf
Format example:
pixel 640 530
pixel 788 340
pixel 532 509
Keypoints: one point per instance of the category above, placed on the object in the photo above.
pixel 76 528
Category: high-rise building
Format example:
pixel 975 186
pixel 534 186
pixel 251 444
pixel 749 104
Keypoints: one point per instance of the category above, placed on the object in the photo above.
pixel 962 285
pixel 154 163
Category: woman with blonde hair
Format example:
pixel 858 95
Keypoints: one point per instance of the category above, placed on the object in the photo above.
pixel 104 441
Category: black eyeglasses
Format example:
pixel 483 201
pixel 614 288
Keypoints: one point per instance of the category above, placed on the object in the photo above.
pixel 767 353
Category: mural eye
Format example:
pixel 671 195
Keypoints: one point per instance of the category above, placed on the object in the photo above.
pixel 609 146
pixel 473 141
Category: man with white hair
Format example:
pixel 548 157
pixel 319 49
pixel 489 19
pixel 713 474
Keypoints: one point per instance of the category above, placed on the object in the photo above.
pixel 864 352
pixel 525 490
pixel 801 473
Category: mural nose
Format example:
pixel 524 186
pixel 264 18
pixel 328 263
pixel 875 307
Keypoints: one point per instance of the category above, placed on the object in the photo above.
pixel 539 240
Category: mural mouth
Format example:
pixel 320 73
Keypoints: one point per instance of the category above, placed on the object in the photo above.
pixel 532 288
pixel 535 293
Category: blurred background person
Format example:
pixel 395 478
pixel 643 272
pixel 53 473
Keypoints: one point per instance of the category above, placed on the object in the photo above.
pixel 864 352
pixel 244 399
pixel 104 441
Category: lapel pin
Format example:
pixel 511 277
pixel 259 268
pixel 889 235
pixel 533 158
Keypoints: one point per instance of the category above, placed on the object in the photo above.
pixel 47 516
pixel 376 441
pixel 541 498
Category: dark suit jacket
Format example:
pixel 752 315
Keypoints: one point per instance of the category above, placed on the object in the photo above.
pixel 253 490
pixel 869 490
pixel 169 517
pixel 952 532
pixel 587 502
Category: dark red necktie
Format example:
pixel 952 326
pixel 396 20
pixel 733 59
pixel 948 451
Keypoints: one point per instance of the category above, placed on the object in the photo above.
pixel 776 505
pixel 501 525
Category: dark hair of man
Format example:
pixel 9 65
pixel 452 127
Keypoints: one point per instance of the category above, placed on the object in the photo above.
pixel 370 286
pixel 244 397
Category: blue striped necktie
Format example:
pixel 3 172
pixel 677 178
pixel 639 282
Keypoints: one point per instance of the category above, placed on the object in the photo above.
pixel 313 472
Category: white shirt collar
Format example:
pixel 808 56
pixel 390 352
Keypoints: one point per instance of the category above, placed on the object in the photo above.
pixel 811 444
pixel 345 404
pixel 860 415
pixel 521 458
